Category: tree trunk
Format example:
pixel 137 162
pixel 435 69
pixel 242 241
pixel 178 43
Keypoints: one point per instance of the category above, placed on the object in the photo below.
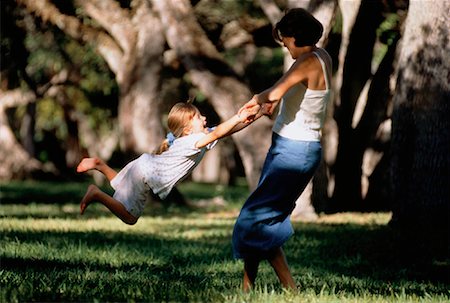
pixel 139 77
pixel 356 72
pixel 420 125
pixel 148 126
pixel 217 81
pixel 27 129
pixel 72 148
pixel 374 131
pixel 15 161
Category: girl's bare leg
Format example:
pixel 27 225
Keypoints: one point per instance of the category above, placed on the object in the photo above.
pixel 250 273
pixel 93 193
pixel 95 163
pixel 279 264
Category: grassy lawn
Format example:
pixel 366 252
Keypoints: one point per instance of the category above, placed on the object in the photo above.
pixel 179 254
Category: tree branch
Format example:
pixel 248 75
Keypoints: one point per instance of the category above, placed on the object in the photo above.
pixel 14 98
pixel 116 22
pixel 78 31
pixel 271 10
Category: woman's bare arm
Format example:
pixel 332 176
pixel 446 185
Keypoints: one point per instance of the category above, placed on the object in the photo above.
pixel 297 73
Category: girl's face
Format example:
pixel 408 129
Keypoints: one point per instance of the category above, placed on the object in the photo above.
pixel 289 43
pixel 198 123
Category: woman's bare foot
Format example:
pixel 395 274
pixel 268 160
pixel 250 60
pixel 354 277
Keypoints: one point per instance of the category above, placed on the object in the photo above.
pixel 88 164
pixel 88 197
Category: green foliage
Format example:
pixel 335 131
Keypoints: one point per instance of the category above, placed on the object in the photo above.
pixel 51 52
pixel 388 30
pixel 51 116
pixel 211 12
pixel 44 59
pixel 50 253
pixel 387 33
pixel 90 90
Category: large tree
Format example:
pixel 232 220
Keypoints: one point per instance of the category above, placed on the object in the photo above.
pixel 132 42
pixel 420 125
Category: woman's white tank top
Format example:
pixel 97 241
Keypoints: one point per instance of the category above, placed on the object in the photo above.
pixel 302 110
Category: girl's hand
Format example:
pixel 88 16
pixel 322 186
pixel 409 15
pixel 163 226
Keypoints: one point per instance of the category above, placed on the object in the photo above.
pixel 252 103
pixel 247 115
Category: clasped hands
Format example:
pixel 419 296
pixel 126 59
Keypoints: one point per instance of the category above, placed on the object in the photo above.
pixel 254 109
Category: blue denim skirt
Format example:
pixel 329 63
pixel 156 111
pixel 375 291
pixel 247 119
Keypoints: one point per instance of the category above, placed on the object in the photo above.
pixel 264 221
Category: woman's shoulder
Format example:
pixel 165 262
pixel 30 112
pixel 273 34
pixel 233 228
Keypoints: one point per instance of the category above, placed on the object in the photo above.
pixel 324 55
pixel 307 63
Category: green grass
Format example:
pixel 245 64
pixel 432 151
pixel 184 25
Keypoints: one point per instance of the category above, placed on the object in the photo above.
pixel 179 254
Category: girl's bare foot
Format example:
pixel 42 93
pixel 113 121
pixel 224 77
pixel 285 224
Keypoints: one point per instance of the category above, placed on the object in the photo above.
pixel 88 164
pixel 88 197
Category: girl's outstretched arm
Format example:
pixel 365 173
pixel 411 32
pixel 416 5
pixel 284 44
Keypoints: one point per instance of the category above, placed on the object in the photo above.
pixel 232 125
pixel 243 125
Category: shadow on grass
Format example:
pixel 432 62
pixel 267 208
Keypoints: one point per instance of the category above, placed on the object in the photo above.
pixel 373 253
pixel 61 200
pixel 27 192
pixel 18 192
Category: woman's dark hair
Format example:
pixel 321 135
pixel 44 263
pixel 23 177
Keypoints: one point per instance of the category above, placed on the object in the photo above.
pixel 299 24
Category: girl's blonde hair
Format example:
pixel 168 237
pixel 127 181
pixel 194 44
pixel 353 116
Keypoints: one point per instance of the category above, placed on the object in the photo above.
pixel 180 117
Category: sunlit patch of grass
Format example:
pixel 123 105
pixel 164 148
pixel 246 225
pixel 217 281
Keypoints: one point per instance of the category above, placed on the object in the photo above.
pixel 381 218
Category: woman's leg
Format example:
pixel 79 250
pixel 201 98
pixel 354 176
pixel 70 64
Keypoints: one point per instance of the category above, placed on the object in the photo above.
pixel 250 272
pixel 87 164
pixel 93 193
pixel 279 264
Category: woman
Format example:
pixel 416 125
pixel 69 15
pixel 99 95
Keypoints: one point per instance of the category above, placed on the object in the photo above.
pixel 263 225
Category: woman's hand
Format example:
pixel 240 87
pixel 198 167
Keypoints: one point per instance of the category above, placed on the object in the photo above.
pixel 269 107
pixel 252 104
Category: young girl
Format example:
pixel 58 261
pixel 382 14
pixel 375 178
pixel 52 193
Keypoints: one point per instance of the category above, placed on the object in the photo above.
pixel 161 171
